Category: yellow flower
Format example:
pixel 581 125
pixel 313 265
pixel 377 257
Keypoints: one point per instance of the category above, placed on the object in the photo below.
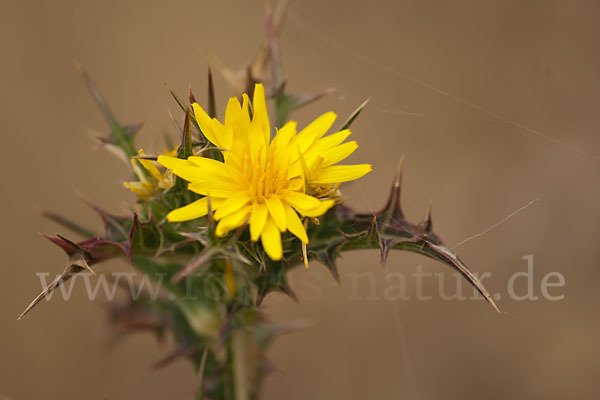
pixel 157 181
pixel 265 182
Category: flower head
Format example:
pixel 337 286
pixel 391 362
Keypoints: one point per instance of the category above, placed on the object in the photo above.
pixel 151 181
pixel 269 183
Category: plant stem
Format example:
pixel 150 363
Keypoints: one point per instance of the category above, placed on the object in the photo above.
pixel 240 374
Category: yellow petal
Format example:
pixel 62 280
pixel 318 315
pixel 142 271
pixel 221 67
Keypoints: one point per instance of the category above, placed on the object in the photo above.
pixel 219 131
pixel 342 173
pixel 301 200
pixel 296 184
pixel 210 189
pixel 232 112
pixel 319 210
pixel 197 209
pixel 315 130
pixel 142 189
pixel 258 218
pixel 277 211
pixel 205 124
pixel 149 166
pixel 215 182
pixel 285 135
pixel 182 168
pixel 328 142
pixel 209 164
pixel 233 204
pixel 271 240
pixel 138 170
pixel 173 162
pixel 340 153
pixel 294 224
pixel 233 221
pixel 241 125
pixel 261 117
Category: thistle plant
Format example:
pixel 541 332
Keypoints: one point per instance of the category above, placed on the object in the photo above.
pixel 222 218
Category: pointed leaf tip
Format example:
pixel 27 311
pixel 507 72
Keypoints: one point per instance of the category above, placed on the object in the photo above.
pixel 393 208
pixel 426 225
pixel 399 169
pixel 191 95
pixel 96 95
pixel 354 115
pixel 185 149
pixel 212 105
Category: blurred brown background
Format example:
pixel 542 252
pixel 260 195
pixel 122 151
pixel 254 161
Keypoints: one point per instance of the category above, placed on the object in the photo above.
pixel 441 76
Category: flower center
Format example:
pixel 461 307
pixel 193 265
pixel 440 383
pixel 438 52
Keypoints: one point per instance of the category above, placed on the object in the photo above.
pixel 266 172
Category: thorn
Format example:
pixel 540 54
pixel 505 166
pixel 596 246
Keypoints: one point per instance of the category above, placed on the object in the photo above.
pixel 250 82
pixel 175 123
pixel 279 90
pixel 398 178
pixel 96 95
pixel 48 290
pixel 75 248
pixel 443 253
pixel 385 245
pixel 212 107
pixel 286 289
pixel 354 114
pixel 112 224
pixel 426 225
pixel 178 100
pixel 70 270
pixel 374 229
pixel 393 207
pixel 328 257
pixel 191 95
pixel 80 230
pixel 281 287
pixel 135 226
pixel 185 149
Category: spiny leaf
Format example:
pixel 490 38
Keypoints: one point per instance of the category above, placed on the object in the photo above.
pixel 115 228
pixel 72 226
pixel 386 230
pixel 329 256
pixel 121 136
pixel 274 279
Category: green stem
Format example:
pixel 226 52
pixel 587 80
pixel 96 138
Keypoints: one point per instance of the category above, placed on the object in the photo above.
pixel 240 375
